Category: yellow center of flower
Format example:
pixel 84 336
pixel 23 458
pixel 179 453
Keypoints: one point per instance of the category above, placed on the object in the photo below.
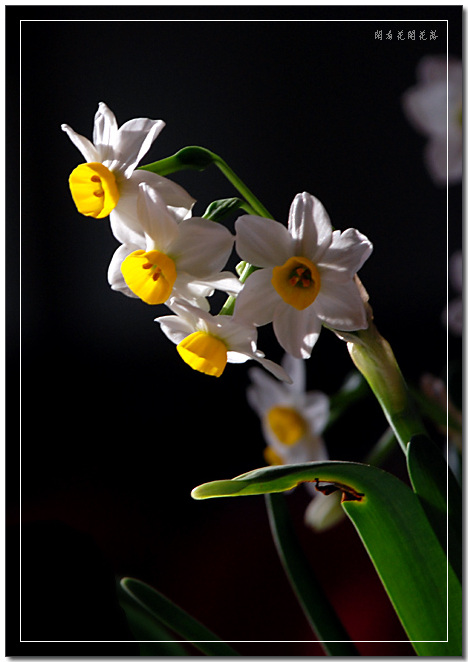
pixel 204 352
pixel 94 189
pixel 297 282
pixel 150 275
pixel 287 424
pixel 272 456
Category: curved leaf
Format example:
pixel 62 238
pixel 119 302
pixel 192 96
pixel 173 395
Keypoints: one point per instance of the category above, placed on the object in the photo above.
pixel 437 488
pixel 392 525
pixel 175 618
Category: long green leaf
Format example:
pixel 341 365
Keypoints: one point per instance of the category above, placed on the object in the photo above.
pixel 153 638
pixel 439 494
pixel 314 602
pixel 175 618
pixel 397 535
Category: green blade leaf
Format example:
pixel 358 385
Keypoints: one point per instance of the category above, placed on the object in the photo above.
pixel 314 602
pixel 397 535
pixel 175 618
pixel 433 482
pixel 153 637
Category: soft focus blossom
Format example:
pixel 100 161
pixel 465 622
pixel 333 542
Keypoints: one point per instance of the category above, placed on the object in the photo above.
pixel 453 313
pixel 292 419
pixel 170 259
pixel 207 343
pixel 306 277
pixel 292 423
pixel 108 182
pixel 434 107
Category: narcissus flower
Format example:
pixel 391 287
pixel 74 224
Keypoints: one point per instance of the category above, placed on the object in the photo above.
pixel 171 259
pixel 108 182
pixel 434 107
pixel 207 343
pixel 306 277
pixel 292 419
pixel 292 422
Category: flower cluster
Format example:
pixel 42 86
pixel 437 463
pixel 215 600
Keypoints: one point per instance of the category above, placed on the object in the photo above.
pixel 301 277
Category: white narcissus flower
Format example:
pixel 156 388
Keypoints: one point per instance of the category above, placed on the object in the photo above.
pixel 292 422
pixel 170 259
pixel 292 419
pixel 434 107
pixel 207 343
pixel 108 182
pixel 306 277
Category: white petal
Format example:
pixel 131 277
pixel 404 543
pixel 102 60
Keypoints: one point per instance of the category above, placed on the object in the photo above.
pixel 316 411
pixel 309 226
pixel 155 218
pixel 105 132
pixel 125 221
pixel 224 281
pixel 262 241
pixel 174 327
pixel 265 392
pixel 340 306
pixel 85 146
pixel 426 108
pixel 193 292
pixel 258 299
pixel 203 247
pixel 274 368
pixel 133 140
pixel 297 331
pixel 238 337
pixel 296 370
pixel 114 274
pixel 346 254
pixel 323 512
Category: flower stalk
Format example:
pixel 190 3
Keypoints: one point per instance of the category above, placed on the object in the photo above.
pixel 373 357
pixel 199 158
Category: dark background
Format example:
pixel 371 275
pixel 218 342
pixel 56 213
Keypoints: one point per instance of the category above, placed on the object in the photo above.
pixel 116 430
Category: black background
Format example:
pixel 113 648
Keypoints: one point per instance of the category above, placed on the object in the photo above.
pixel 116 430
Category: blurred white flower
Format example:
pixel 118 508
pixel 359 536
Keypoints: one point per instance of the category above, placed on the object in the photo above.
pixel 434 107
pixel 108 182
pixel 207 343
pixel 453 313
pixel 171 259
pixel 292 422
pixel 292 419
pixel 323 512
pixel 306 276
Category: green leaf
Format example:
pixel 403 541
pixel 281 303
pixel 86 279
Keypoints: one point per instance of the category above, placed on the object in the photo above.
pixel 354 389
pixel 175 618
pixel 314 602
pixel 219 209
pixel 153 637
pixel 436 487
pixel 397 535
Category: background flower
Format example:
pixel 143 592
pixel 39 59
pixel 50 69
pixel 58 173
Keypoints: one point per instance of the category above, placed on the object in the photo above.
pixel 434 107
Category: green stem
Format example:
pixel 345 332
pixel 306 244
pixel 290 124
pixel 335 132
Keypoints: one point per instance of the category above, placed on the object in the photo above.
pixel 315 604
pixel 374 358
pixel 199 158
